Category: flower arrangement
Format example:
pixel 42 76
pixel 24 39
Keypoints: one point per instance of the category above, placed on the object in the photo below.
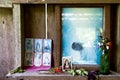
pixel 56 70
pixel 104 44
pixel 79 72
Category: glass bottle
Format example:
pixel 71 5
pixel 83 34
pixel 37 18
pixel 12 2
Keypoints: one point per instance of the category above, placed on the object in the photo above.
pixel 104 62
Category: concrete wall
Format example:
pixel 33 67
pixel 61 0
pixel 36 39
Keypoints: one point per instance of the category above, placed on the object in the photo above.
pixel 5 3
pixel 6 41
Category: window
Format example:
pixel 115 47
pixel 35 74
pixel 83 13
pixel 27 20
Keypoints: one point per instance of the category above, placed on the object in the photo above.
pixel 79 26
pixel 81 33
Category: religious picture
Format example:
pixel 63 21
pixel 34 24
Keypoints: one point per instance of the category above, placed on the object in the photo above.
pixel 66 63
pixel 29 59
pixel 38 54
pixel 38 59
pixel 46 59
pixel 47 45
pixel 47 52
pixel 38 45
pixel 28 44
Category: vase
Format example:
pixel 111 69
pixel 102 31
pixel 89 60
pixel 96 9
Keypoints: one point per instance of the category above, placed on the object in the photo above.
pixel 104 62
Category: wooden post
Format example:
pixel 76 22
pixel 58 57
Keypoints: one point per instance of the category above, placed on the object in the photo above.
pixel 17 31
pixel 118 38
pixel 107 21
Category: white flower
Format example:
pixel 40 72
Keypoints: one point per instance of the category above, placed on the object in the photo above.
pixel 107 47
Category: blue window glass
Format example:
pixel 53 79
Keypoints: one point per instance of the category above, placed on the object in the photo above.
pixel 80 33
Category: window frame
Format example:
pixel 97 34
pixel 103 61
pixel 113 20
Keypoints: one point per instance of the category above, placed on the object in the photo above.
pixel 106 31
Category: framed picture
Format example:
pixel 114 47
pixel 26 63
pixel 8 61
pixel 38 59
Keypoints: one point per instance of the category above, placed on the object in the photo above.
pixel 29 44
pixel 47 52
pixel 37 59
pixel 29 58
pixel 46 59
pixel 66 63
pixel 38 45
pixel 47 45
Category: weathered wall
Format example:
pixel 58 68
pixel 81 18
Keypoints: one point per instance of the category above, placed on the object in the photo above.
pixel 6 41
pixel 5 3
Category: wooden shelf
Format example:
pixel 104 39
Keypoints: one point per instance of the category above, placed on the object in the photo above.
pixel 65 1
pixel 37 75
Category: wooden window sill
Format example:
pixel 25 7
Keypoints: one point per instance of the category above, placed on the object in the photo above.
pixel 37 75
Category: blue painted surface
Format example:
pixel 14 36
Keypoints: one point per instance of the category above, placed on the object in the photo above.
pixel 80 33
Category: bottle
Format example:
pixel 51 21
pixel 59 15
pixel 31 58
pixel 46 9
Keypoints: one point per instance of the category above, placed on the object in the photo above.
pixel 104 62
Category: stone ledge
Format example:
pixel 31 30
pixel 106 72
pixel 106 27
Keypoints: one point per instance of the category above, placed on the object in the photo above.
pixel 45 75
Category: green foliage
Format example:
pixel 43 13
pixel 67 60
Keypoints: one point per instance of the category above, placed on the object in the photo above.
pixel 80 72
pixel 17 70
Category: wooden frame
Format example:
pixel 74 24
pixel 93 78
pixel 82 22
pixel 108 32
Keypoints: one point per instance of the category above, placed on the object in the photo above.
pixel 118 39
pixel 65 1
pixel 54 31
pixel 106 26
pixel 18 35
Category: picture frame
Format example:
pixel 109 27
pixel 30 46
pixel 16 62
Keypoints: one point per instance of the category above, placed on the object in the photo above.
pixel 38 45
pixel 28 58
pixel 37 59
pixel 29 44
pixel 47 48
pixel 66 63
pixel 46 59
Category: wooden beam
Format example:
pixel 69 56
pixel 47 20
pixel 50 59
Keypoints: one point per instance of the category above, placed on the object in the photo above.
pixel 118 39
pixel 57 41
pixel 6 3
pixel 107 21
pixel 17 31
pixel 66 1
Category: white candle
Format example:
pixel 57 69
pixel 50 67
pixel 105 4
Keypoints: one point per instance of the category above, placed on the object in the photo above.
pixel 46 20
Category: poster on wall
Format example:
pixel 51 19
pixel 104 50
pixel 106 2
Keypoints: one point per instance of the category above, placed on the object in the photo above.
pixel 80 34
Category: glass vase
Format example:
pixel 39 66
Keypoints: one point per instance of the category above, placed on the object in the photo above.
pixel 104 62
